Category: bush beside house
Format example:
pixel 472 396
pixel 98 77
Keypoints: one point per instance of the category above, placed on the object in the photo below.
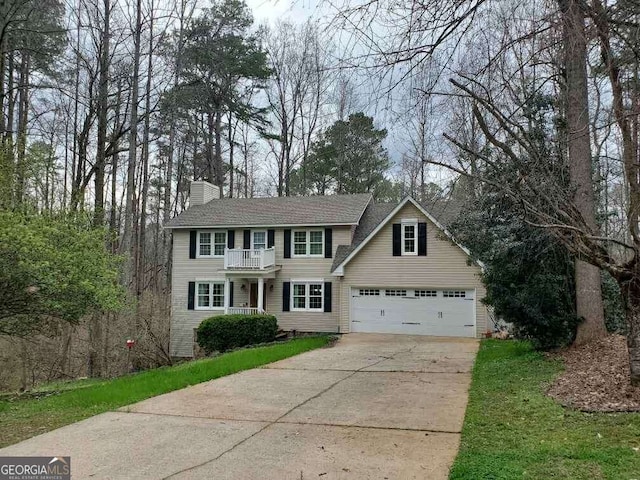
pixel 224 332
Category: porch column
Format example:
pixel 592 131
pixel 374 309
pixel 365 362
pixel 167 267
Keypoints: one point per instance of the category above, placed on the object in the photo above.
pixel 260 294
pixel 227 294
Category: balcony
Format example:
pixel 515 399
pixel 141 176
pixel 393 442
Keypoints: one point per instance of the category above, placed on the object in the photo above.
pixel 249 259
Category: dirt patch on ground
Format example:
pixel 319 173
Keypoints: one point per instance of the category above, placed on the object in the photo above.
pixel 596 377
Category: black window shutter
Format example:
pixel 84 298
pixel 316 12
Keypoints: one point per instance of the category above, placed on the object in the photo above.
pixel 397 240
pixel 328 239
pixel 271 238
pixel 231 294
pixel 231 239
pixel 422 239
pixel 191 297
pixel 193 234
pixel 287 243
pixel 327 296
pixel 247 240
pixel 286 296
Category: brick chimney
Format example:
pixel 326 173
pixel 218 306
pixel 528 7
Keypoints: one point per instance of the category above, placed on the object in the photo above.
pixel 201 192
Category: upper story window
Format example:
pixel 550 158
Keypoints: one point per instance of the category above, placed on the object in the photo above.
pixel 409 237
pixel 258 240
pixel 308 243
pixel 211 244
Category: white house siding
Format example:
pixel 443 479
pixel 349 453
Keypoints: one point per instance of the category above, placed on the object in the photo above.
pixel 185 270
pixel 445 266
pixel 306 268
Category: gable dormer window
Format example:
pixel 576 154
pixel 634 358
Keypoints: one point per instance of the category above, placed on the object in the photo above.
pixel 409 237
pixel 211 243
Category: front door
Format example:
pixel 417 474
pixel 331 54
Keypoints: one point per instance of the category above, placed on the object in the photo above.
pixel 253 295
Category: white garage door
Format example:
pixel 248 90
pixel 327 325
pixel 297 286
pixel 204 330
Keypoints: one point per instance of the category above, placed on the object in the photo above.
pixel 413 311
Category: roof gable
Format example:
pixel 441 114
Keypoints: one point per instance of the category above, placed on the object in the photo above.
pixel 338 266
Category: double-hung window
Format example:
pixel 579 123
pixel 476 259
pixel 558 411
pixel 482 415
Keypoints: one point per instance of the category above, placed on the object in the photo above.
pixel 307 296
pixel 309 243
pixel 258 240
pixel 210 295
pixel 409 237
pixel 211 244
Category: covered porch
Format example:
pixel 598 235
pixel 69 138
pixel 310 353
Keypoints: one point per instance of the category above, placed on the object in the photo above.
pixel 255 285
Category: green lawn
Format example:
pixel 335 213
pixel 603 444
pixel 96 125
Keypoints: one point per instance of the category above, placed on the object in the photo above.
pixel 24 418
pixel 513 431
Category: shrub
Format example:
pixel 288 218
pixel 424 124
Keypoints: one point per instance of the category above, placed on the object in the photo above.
pixel 223 332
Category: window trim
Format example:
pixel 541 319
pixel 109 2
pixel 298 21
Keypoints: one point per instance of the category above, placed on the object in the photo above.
pixel 307 243
pixel 307 294
pixel 213 243
pixel 412 222
pixel 196 300
pixel 266 239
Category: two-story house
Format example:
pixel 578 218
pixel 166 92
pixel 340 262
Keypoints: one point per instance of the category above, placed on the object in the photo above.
pixel 339 263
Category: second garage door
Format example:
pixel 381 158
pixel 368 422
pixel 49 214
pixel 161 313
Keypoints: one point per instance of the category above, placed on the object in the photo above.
pixel 413 311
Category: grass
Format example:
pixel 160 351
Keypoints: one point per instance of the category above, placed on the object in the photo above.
pixel 24 418
pixel 512 430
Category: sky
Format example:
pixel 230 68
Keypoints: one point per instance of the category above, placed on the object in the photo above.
pixel 270 11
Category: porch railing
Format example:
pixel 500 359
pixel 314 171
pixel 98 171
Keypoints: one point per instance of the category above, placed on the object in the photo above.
pixel 243 311
pixel 249 259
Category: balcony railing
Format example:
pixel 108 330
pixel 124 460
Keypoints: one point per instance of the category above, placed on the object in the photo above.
pixel 243 311
pixel 248 259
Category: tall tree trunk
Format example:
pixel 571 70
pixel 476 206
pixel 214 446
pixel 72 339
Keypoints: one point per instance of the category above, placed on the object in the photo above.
pixel 145 167
pixel 23 111
pixel 589 305
pixel 3 66
pixel 168 190
pixel 103 106
pixel 211 160
pixel 10 102
pixel 113 217
pixel 76 103
pixel 95 327
pixel 630 286
pixel 232 133
pixel 128 241
pixel 218 165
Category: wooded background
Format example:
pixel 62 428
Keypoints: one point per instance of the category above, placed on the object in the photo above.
pixel 515 122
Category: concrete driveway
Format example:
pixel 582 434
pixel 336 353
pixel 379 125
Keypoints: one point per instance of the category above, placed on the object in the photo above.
pixel 372 407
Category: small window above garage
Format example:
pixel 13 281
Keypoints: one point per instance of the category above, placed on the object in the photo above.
pixel 426 293
pixel 454 294
pixel 395 293
pixel 369 292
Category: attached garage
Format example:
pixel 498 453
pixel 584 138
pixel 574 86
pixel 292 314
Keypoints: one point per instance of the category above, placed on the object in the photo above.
pixel 413 311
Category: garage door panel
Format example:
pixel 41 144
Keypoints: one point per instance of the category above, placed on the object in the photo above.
pixel 439 316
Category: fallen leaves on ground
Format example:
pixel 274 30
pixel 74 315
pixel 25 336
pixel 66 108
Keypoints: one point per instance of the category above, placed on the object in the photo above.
pixel 596 377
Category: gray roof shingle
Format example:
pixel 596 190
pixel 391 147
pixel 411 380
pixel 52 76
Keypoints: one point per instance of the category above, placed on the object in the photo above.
pixel 274 211
pixel 373 215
